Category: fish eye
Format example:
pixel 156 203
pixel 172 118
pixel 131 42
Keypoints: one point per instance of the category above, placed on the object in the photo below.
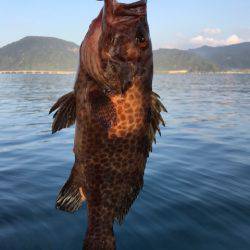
pixel 140 39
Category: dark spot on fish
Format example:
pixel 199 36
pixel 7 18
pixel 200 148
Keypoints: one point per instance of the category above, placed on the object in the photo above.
pixel 103 109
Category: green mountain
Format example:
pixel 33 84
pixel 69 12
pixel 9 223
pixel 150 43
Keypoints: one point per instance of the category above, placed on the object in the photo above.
pixel 47 53
pixel 39 53
pixel 227 57
pixel 174 59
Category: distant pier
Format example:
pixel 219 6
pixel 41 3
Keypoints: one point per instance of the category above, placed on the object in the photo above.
pixel 167 72
pixel 37 72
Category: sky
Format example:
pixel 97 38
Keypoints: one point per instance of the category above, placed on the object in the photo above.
pixel 179 24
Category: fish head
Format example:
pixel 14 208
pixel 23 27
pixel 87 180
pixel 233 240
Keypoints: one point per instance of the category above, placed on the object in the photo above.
pixel 125 46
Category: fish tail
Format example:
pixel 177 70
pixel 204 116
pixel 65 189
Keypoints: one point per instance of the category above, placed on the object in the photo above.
pixel 100 233
pixel 99 239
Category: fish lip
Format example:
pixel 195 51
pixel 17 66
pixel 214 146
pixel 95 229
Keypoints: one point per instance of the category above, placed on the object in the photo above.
pixel 132 5
pixel 136 9
pixel 129 5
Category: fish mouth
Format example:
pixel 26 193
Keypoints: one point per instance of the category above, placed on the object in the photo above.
pixel 127 9
pixel 130 9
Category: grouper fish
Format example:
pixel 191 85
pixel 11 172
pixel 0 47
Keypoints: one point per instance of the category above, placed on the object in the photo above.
pixel 117 116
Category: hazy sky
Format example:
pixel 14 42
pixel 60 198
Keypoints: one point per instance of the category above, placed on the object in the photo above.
pixel 174 23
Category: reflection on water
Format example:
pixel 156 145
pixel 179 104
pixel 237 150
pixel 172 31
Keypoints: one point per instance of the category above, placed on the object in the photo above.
pixel 197 182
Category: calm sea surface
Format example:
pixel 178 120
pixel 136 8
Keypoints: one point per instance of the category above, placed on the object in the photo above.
pixel 197 182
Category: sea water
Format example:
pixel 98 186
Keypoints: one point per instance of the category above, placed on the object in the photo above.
pixel 197 181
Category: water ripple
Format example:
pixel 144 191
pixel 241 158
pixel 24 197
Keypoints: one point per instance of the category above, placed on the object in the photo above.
pixel 197 182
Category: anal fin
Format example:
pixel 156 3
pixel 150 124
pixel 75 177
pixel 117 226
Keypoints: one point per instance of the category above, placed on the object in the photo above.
pixel 70 198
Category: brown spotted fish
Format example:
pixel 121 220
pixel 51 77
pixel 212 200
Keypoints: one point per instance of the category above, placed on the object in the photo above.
pixel 117 116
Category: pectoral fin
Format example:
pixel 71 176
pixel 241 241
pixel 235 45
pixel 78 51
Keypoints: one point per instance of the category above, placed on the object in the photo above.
pixel 65 114
pixel 155 119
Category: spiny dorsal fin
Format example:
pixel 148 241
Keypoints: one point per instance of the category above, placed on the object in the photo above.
pixel 65 114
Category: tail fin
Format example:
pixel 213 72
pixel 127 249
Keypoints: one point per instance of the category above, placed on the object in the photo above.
pixel 70 198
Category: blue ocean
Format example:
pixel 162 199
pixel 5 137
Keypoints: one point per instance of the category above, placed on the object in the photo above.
pixel 197 181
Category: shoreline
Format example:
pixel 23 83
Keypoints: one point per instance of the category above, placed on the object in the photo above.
pixel 162 72
pixel 185 72
pixel 36 72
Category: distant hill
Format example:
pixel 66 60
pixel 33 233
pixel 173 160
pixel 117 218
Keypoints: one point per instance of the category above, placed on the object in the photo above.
pixel 48 53
pixel 174 59
pixel 227 57
pixel 39 53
